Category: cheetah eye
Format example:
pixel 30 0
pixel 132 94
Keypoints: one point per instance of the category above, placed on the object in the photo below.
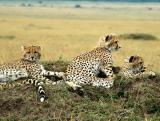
pixel 35 52
pixel 116 42
pixel 140 62
pixel 28 52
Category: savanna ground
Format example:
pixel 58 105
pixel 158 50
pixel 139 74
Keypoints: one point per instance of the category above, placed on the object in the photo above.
pixel 64 33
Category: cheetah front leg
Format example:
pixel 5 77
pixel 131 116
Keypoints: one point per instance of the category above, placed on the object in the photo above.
pixel 103 82
pixel 91 80
pixel 46 80
pixel 52 73
pixel 74 84
pixel 76 88
pixel 145 73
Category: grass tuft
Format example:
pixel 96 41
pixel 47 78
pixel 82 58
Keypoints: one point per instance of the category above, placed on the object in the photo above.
pixel 10 37
pixel 138 36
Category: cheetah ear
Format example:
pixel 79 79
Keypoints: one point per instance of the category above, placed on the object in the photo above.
pixel 131 59
pixel 107 38
pixel 23 48
pixel 39 48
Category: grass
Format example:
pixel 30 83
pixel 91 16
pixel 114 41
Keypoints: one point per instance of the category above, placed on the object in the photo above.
pixel 69 32
pixel 127 100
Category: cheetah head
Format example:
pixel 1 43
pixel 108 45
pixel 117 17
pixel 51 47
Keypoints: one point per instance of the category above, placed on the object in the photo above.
pixel 31 53
pixel 110 41
pixel 136 62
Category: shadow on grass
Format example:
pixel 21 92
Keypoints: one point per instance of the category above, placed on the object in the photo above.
pixel 127 100
pixel 138 36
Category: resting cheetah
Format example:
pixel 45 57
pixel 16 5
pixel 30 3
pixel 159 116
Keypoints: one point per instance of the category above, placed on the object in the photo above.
pixel 12 74
pixel 28 66
pixel 84 68
pixel 134 68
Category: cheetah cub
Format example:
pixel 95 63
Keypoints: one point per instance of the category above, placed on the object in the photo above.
pixel 134 68
pixel 27 67
pixel 85 67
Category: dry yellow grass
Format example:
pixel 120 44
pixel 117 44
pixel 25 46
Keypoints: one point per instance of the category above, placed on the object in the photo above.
pixel 67 32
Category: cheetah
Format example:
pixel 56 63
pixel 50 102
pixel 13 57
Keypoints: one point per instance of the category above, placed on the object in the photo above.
pixel 134 68
pixel 83 70
pixel 27 67
pixel 12 74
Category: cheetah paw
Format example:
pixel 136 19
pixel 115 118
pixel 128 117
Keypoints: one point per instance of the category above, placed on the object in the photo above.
pixel 62 75
pixel 152 75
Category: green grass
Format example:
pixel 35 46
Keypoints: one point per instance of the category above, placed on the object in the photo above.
pixel 127 100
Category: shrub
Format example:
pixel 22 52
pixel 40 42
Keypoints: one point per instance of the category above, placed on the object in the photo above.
pixel 7 37
pixel 138 36
pixel 77 6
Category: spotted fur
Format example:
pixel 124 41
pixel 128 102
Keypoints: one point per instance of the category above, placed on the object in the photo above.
pixel 85 67
pixel 12 74
pixel 30 68
pixel 134 68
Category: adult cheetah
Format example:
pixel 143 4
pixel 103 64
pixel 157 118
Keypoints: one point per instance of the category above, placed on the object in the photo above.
pixel 85 67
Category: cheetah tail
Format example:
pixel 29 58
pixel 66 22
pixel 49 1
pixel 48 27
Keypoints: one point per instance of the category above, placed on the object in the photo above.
pixel 40 88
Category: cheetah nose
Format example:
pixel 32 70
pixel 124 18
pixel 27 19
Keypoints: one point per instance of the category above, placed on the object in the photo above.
pixel 32 57
pixel 119 47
